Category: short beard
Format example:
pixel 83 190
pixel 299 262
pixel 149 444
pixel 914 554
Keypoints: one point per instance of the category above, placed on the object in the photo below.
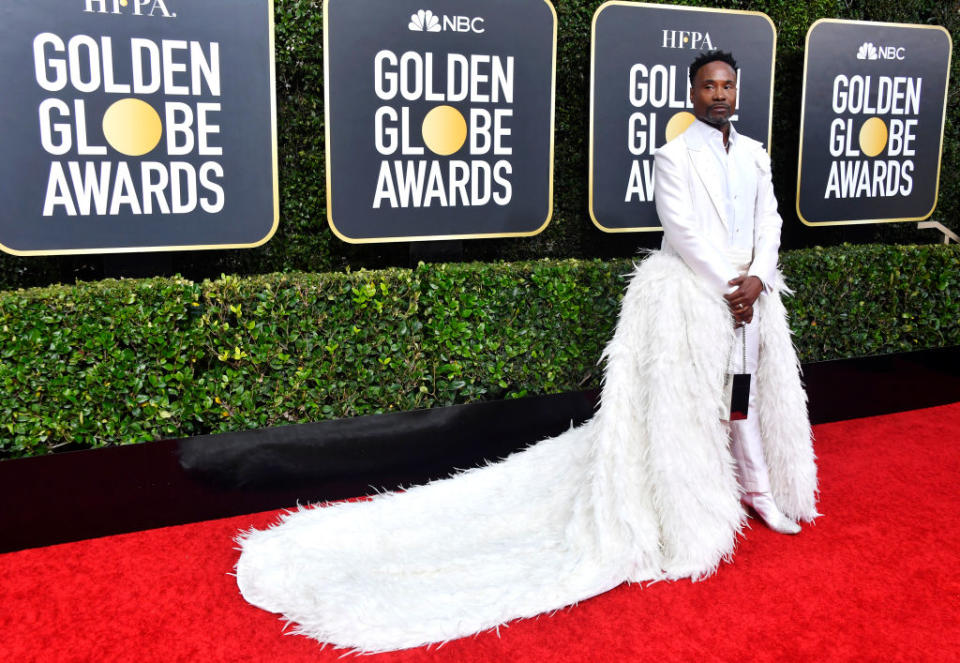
pixel 717 123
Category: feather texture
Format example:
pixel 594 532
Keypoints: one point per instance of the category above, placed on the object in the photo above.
pixel 645 490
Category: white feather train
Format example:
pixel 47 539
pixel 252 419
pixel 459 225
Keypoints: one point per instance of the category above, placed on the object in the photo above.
pixel 645 490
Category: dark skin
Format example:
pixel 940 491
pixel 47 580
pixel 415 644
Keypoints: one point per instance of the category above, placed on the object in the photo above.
pixel 714 98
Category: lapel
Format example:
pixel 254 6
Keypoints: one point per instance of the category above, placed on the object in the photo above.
pixel 708 170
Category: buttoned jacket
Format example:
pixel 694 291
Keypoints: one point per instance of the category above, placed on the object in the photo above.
pixel 689 198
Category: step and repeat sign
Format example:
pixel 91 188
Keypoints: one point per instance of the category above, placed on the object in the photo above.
pixel 874 99
pixel 640 95
pixel 136 125
pixel 439 118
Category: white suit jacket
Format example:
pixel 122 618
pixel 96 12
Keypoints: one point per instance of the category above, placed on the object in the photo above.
pixel 689 198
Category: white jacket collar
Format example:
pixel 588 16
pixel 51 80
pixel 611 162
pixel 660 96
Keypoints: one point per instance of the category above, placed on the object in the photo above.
pixel 699 132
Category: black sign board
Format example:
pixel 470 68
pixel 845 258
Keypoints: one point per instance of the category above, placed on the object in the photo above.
pixel 136 125
pixel 640 97
pixel 871 133
pixel 439 118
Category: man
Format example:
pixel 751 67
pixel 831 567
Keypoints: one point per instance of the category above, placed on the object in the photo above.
pixel 715 200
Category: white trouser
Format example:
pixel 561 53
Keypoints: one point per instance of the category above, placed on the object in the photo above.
pixel 746 443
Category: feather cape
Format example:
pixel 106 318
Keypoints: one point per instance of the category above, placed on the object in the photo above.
pixel 645 490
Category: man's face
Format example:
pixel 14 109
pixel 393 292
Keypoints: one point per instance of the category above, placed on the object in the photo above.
pixel 714 93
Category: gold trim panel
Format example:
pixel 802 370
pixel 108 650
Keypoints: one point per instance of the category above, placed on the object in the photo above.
pixel 425 238
pixel 803 117
pixel 201 247
pixel 593 33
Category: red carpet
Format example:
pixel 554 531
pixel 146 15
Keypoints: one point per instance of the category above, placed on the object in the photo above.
pixel 876 579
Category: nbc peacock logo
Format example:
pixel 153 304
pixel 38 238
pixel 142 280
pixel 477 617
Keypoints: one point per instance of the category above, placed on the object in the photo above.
pixel 867 51
pixel 870 51
pixel 424 21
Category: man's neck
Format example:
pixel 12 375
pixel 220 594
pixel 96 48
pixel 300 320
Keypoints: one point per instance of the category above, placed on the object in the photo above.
pixel 723 129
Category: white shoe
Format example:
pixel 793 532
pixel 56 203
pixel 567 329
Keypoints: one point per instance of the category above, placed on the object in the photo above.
pixel 767 509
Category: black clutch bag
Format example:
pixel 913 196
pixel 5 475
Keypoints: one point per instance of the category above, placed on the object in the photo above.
pixel 736 389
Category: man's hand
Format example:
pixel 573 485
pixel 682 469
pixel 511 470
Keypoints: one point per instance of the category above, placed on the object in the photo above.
pixel 741 300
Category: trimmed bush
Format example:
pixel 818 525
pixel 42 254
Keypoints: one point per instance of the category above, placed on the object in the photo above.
pixel 97 363
pixel 867 300
pixel 118 362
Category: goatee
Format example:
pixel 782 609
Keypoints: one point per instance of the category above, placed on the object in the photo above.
pixel 716 122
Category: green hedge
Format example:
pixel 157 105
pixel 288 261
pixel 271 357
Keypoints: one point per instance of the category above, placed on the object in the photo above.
pixel 118 362
pixel 867 300
pixel 304 242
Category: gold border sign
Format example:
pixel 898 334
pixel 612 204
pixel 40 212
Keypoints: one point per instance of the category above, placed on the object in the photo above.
pixel 871 128
pixel 639 95
pixel 136 125
pixel 439 118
